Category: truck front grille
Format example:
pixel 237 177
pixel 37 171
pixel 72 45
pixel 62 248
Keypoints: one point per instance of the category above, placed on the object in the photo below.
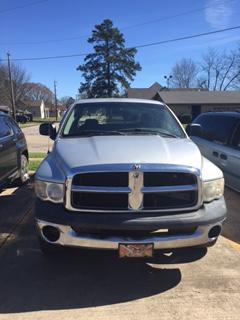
pixel 135 190
pixel 154 179
pixel 101 179
pixel 102 201
pixel 169 200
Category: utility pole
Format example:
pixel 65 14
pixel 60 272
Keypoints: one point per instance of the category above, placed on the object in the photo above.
pixel 11 87
pixel 55 99
pixel 168 79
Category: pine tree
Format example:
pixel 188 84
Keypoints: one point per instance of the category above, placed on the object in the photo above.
pixel 111 67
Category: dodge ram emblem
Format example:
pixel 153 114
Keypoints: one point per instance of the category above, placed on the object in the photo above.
pixel 135 198
pixel 136 167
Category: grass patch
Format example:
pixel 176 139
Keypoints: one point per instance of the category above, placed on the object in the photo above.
pixel 35 158
pixel 37 121
pixel 51 119
pixel 34 164
pixel 28 124
pixel 34 155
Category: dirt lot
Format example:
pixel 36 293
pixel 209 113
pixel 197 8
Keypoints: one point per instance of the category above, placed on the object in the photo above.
pixel 97 285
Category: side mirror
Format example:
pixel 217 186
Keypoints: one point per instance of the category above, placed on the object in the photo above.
pixel 47 129
pixel 194 130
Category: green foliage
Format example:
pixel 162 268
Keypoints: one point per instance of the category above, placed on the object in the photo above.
pixel 37 155
pixel 34 164
pixel 111 67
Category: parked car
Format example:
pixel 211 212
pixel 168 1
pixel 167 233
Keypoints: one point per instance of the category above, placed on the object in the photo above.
pixel 124 175
pixel 29 115
pixel 219 141
pixel 21 118
pixel 13 152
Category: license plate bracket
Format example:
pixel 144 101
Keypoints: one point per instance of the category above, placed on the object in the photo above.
pixel 135 250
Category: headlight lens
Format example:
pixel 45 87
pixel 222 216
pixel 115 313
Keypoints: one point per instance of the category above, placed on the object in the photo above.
pixel 213 190
pixel 55 192
pixel 49 191
pixel 41 190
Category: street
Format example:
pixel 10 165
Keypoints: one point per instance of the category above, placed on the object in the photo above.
pixel 97 285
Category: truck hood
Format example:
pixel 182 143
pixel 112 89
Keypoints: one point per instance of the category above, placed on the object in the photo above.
pixel 77 152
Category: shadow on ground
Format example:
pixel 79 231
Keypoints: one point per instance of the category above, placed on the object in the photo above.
pixel 31 281
pixel 14 204
pixel 231 229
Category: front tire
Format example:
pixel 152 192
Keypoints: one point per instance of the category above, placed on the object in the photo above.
pixel 24 176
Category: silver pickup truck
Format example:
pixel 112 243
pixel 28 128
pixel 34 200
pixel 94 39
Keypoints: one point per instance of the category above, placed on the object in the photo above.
pixel 124 175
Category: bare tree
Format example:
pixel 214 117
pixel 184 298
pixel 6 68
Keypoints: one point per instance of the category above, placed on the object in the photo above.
pixel 38 91
pixel 184 74
pixel 19 77
pixel 67 101
pixel 23 89
pixel 220 71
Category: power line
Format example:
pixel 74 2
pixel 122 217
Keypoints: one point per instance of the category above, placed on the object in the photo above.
pixel 184 13
pixel 186 37
pixel 198 35
pixel 49 57
pixel 23 6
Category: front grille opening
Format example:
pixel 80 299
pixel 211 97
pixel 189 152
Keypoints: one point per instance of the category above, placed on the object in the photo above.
pixel 100 201
pixel 170 200
pixel 102 179
pixel 134 233
pixel 157 179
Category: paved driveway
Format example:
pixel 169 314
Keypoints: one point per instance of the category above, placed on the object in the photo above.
pixel 36 142
pixel 96 285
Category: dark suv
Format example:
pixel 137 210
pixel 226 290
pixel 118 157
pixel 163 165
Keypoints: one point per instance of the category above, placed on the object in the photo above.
pixel 13 152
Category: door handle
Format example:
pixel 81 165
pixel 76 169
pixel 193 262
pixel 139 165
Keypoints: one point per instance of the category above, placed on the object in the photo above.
pixel 215 153
pixel 1 145
pixel 223 156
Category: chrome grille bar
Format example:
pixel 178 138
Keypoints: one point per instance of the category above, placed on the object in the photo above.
pixel 169 189
pixel 101 189
pixel 70 187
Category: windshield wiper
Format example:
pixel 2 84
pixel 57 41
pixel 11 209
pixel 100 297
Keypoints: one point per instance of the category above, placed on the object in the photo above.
pixel 149 131
pixel 94 133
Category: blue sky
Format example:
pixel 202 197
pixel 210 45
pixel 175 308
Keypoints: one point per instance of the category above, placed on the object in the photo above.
pixel 38 30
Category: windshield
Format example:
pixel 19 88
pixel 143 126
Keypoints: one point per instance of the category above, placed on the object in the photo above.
pixel 120 118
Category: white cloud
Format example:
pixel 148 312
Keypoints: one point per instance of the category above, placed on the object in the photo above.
pixel 218 13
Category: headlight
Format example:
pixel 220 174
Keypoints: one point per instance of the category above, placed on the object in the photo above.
pixel 213 190
pixel 49 191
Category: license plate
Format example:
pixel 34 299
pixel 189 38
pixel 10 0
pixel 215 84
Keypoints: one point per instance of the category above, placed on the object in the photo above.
pixel 135 250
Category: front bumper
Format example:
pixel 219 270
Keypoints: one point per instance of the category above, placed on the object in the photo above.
pixel 204 219
pixel 68 237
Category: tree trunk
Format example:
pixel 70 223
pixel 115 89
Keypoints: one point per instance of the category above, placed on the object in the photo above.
pixel 109 91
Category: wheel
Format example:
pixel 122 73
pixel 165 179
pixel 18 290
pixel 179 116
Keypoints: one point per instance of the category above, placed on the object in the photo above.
pixel 24 176
pixel 48 248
